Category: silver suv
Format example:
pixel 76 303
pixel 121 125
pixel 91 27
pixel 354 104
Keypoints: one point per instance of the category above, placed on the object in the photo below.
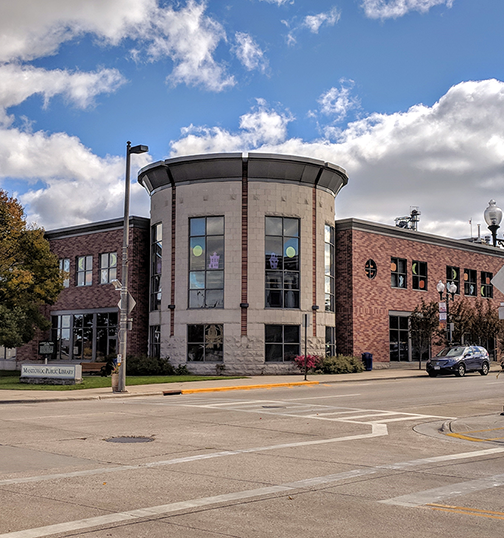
pixel 458 360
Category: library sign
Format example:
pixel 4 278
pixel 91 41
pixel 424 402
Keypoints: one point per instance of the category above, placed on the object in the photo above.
pixel 51 374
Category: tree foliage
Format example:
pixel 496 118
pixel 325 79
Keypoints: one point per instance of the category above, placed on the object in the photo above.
pixel 424 324
pixel 29 275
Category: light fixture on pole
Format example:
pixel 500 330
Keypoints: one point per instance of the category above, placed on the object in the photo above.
pixel 451 289
pixel 124 307
pixel 493 218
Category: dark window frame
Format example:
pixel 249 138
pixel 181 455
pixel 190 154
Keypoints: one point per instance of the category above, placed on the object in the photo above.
pixel 470 279
pixel 108 269
pixel 280 344
pixel 420 276
pixel 64 267
pixel 486 289
pixel 450 270
pixel 156 264
pixel 201 338
pixel 329 268
pixel 396 273
pixel 86 272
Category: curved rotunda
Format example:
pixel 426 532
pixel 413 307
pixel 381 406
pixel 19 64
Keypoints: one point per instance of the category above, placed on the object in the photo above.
pixel 242 257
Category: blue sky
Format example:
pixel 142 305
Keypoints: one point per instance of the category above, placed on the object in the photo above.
pixel 406 95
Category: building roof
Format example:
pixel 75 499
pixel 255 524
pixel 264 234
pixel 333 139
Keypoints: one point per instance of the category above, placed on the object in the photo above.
pixel 412 235
pixel 96 227
pixel 232 167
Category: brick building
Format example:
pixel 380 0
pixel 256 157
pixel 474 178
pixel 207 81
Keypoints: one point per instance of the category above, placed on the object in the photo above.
pixel 239 252
pixel 85 318
pixel 383 273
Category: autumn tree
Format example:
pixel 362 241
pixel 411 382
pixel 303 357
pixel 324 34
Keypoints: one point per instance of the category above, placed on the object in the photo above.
pixel 29 275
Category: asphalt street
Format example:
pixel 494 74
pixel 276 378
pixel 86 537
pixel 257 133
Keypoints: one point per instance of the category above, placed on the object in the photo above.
pixel 379 454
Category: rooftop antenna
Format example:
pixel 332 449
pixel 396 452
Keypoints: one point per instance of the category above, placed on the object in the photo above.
pixel 410 222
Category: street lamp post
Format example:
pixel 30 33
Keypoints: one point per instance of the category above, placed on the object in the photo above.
pixel 493 218
pixel 451 289
pixel 123 324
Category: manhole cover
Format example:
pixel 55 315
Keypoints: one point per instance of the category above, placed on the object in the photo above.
pixel 129 439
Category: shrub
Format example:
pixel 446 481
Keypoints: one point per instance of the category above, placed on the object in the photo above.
pixel 144 365
pixel 312 362
pixel 340 364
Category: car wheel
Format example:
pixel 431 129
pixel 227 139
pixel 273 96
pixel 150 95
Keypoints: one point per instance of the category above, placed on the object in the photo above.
pixel 460 371
pixel 432 374
pixel 484 368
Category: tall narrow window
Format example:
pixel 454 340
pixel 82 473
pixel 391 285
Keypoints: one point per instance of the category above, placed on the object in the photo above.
pixel 156 266
pixel 329 268
pixel 419 272
pixel 282 342
pixel 486 284
pixel 398 273
pixel 64 267
pixel 61 336
pixel 108 267
pixel 399 338
pixel 84 270
pixel 155 341
pixel 470 285
pixel 206 262
pixel 282 262
pixel 453 275
pixel 330 341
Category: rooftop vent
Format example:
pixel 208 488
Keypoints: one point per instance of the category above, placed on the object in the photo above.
pixel 410 222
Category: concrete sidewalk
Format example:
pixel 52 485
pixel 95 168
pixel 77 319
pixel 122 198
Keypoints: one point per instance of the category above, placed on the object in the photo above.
pixel 397 372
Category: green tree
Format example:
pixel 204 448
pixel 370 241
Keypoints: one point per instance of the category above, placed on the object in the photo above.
pixel 424 323
pixel 29 275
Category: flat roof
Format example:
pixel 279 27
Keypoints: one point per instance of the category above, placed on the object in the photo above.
pixel 96 227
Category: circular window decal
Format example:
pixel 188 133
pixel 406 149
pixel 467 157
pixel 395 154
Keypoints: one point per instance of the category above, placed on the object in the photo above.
pixel 370 269
pixel 197 250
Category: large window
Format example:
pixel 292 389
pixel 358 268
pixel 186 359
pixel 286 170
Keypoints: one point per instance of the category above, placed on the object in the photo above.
pixel 453 275
pixel 398 273
pixel 90 336
pixel 84 270
pixel 282 262
pixel 329 268
pixel 206 262
pixel 108 267
pixel 486 284
pixel 282 342
pixel 419 272
pixel 156 266
pixel 470 285
pixel 399 341
pixel 205 343
pixel 64 267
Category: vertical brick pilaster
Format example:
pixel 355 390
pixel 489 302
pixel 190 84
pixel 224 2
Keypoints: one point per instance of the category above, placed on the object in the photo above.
pixel 244 264
pixel 173 239
pixel 314 258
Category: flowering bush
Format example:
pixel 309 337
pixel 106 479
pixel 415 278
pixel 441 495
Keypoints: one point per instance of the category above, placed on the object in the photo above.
pixel 312 361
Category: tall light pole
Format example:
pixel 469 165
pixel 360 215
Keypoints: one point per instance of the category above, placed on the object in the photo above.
pixel 123 324
pixel 451 289
pixel 493 218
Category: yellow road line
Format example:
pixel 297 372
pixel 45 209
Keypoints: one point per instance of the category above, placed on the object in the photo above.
pixel 466 437
pixel 249 387
pixel 465 510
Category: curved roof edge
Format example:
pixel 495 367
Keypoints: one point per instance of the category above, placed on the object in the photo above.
pixel 231 166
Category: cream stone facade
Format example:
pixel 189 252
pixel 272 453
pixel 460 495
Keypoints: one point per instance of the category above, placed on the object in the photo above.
pixel 246 191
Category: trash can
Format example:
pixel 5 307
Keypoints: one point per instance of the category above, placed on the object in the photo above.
pixel 367 359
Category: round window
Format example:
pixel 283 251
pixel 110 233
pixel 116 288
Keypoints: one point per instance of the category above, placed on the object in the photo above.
pixel 370 269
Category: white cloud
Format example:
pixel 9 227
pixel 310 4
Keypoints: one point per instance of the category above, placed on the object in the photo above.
pixel 77 186
pixel 385 9
pixel 30 30
pixel 278 2
pixel 17 83
pixel 249 53
pixel 448 157
pixel 314 22
pixel 337 102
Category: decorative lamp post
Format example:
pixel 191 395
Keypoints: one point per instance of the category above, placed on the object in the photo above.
pixel 493 218
pixel 124 307
pixel 451 289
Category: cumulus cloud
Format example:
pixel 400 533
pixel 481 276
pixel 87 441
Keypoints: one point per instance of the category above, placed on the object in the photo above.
pixel 249 53
pixel 74 181
pixel 314 22
pixel 386 9
pixel 337 102
pixel 429 154
pixel 311 22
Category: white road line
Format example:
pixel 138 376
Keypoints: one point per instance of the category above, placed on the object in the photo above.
pixel 377 430
pixel 162 510
pixel 453 490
